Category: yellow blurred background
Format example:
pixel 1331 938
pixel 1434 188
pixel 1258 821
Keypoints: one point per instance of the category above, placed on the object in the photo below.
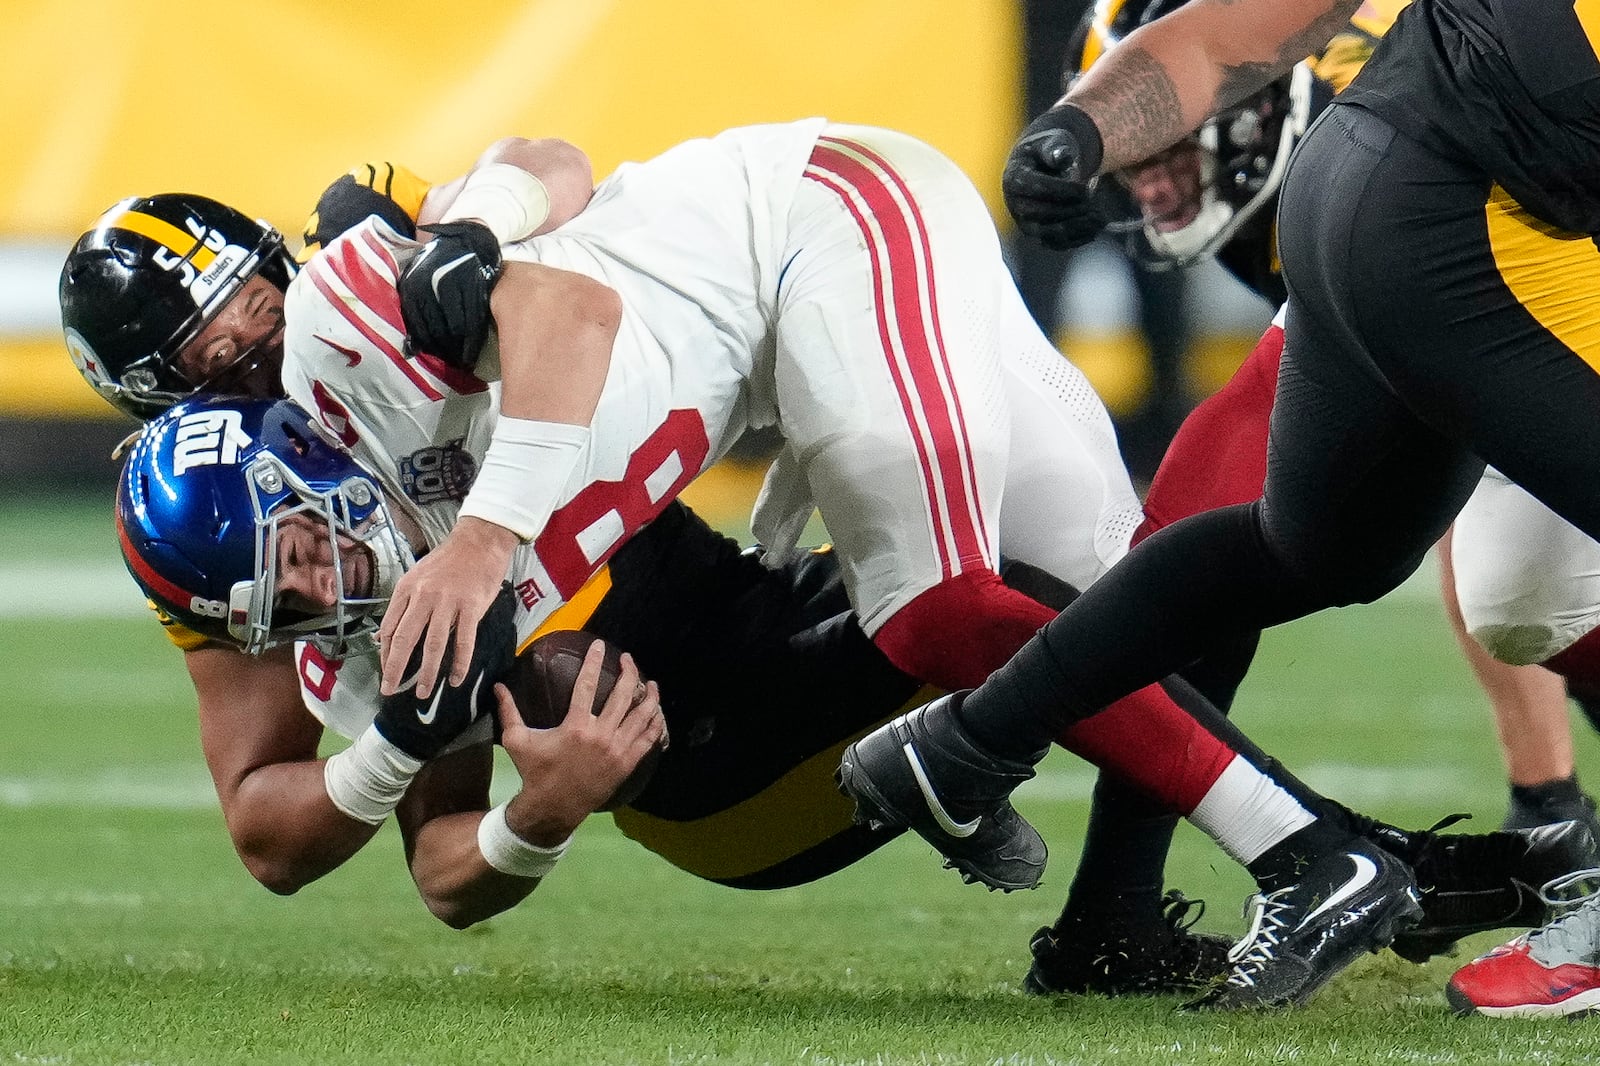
pixel 263 104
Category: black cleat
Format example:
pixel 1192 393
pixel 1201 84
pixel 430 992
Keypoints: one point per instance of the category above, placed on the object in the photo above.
pixel 1347 902
pixel 1473 882
pixel 923 771
pixel 1151 957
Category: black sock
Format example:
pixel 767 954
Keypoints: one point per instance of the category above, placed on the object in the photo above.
pixel 1561 792
pixel 1282 864
pixel 1123 864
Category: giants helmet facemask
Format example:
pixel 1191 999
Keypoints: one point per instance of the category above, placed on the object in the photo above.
pixel 1243 150
pixel 202 496
pixel 148 277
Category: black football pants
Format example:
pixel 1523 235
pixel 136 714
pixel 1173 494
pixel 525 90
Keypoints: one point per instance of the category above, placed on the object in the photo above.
pixel 1426 335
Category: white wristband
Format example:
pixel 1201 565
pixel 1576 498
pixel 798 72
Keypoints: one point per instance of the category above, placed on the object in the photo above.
pixel 367 779
pixel 524 473
pixel 504 197
pixel 509 853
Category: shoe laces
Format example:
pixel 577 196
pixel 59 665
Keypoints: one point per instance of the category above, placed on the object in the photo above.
pixel 1175 909
pixel 1572 934
pixel 1259 945
pixel 1425 840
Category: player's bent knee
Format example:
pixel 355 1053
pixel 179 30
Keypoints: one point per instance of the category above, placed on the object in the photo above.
pixel 1518 644
pixel 1340 579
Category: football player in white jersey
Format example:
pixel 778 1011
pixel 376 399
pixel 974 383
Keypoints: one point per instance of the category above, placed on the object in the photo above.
pixel 137 327
pixel 134 323
pixel 843 283
pixel 269 750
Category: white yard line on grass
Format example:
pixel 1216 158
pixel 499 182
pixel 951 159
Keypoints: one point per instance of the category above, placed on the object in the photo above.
pixel 104 590
pixel 62 589
pixel 1061 781
pixel 183 787
pixel 164 787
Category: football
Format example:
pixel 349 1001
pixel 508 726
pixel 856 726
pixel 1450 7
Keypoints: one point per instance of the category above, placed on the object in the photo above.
pixel 541 684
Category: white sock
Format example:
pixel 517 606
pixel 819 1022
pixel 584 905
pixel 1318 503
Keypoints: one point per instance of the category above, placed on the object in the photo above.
pixel 1246 812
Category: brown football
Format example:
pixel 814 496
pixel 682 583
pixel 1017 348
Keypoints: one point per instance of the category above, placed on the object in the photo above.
pixel 541 683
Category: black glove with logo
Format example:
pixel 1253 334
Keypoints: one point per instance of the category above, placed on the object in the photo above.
pixel 422 728
pixel 1050 177
pixel 444 292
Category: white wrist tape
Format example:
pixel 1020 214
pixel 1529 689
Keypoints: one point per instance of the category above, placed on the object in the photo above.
pixel 504 197
pixel 367 779
pixel 524 473
pixel 509 853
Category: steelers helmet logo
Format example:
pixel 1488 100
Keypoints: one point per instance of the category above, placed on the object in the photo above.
pixel 83 357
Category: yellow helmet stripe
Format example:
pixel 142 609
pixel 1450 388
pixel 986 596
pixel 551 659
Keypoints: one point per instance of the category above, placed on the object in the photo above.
pixel 1099 39
pixel 181 243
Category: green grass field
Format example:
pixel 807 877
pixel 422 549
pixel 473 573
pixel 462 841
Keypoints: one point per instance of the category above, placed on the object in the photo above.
pixel 129 933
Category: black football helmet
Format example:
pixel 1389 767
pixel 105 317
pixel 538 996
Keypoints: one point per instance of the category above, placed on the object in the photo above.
pixel 1243 150
pixel 150 274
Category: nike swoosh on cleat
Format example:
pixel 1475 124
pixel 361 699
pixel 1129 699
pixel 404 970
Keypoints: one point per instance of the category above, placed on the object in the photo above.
pixel 438 275
pixel 1366 870
pixel 940 815
pixel 433 708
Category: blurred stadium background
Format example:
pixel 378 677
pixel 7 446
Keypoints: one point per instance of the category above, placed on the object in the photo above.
pixel 261 105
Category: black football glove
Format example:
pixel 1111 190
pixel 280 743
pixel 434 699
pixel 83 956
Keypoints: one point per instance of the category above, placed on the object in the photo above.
pixel 444 292
pixel 422 728
pixel 1050 177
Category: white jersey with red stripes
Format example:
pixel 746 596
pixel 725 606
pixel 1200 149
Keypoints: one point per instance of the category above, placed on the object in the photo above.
pixel 845 283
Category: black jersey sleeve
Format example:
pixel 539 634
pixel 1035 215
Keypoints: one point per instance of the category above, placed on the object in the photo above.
pixel 391 192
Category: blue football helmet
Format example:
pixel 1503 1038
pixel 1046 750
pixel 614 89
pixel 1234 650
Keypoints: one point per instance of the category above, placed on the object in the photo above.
pixel 203 493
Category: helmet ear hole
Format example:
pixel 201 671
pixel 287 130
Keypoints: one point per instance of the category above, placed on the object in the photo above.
pixel 297 440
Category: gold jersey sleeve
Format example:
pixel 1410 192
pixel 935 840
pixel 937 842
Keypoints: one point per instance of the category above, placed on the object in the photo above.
pixel 387 190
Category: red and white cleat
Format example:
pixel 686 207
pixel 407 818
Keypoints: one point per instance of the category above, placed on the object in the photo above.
pixel 1551 972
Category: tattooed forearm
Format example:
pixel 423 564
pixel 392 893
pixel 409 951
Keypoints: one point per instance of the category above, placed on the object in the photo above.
pixel 1137 111
pixel 1243 79
pixel 1159 83
pixel 1315 36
